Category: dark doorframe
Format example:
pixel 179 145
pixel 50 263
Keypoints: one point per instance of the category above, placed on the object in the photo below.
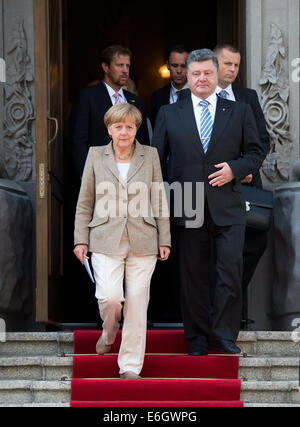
pixel 229 18
pixel 232 30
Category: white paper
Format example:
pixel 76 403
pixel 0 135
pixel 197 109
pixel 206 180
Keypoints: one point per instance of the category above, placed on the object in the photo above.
pixel 88 269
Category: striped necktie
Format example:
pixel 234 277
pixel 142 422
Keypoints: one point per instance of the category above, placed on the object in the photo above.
pixel 206 125
pixel 117 98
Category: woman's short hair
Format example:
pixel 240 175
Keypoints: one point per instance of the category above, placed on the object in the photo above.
pixel 121 112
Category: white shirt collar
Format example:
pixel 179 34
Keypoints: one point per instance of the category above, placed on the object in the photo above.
pixel 176 90
pixel 229 90
pixel 212 100
pixel 111 91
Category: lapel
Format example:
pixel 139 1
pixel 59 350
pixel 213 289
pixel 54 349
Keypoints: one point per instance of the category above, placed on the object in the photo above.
pixel 130 97
pixel 237 93
pixel 109 161
pixel 187 114
pixel 166 95
pixel 223 114
pixel 104 98
pixel 136 161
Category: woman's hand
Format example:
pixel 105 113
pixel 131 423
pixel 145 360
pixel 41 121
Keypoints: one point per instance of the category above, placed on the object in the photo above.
pixel 81 252
pixel 164 252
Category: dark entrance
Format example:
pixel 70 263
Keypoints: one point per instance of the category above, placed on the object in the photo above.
pixel 148 29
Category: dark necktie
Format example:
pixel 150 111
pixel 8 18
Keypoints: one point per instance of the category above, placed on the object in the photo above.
pixel 223 94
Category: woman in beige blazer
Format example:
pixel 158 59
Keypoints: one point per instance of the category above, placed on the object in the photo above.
pixel 122 217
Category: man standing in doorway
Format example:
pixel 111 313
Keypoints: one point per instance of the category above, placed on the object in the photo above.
pixel 169 94
pixel 87 127
pixel 213 141
pixel 165 302
pixel 229 65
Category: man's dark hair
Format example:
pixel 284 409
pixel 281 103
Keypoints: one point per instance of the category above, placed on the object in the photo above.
pixel 109 52
pixel 218 49
pixel 202 55
pixel 178 48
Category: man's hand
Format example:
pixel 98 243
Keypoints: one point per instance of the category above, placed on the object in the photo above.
pixel 81 252
pixel 164 252
pixel 248 179
pixel 222 177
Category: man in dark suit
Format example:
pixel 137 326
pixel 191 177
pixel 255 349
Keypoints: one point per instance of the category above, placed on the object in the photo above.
pixel 87 127
pixel 169 94
pixel 213 141
pixel 229 64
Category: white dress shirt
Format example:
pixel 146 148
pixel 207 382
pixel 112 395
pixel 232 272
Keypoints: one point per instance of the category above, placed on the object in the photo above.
pixel 212 106
pixel 174 93
pixel 229 90
pixel 111 93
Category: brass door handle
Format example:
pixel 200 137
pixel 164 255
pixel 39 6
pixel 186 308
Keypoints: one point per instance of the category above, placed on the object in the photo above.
pixel 56 129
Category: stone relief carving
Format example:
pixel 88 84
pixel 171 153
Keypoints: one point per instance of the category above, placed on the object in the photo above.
pixel 275 104
pixel 18 109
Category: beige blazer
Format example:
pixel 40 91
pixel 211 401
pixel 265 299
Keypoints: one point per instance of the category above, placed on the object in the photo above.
pixel 107 205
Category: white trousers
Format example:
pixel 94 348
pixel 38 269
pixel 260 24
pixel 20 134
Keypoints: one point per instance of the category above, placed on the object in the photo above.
pixel 124 278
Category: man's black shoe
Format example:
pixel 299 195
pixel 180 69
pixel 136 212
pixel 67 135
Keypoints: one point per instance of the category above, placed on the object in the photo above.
pixel 225 346
pixel 198 352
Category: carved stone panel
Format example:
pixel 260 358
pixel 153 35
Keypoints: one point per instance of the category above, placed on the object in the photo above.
pixel 17 156
pixel 275 104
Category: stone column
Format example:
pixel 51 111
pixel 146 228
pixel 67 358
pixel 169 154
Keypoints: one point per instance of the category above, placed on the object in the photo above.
pixel 272 51
pixel 17 158
pixel 286 288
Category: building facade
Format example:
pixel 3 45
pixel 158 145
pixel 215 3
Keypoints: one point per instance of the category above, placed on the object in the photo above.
pixel 42 54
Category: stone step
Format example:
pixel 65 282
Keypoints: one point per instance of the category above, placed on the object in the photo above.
pixel 37 405
pixel 36 368
pixel 271 405
pixel 270 392
pixel 36 344
pixel 265 368
pixel 51 368
pixel 57 392
pixel 28 392
pixel 54 343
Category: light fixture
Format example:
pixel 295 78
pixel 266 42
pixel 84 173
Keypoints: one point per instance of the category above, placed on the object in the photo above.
pixel 164 72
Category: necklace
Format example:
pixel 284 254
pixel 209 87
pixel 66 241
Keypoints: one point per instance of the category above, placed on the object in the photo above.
pixel 124 157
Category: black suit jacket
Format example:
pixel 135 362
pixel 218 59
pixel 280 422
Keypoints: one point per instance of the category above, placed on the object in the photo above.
pixel 249 96
pixel 234 140
pixel 159 98
pixel 86 125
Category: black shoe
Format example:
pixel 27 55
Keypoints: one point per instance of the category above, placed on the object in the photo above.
pixel 225 346
pixel 198 352
pixel 149 324
pixel 246 322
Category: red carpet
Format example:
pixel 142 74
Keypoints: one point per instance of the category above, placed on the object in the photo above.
pixel 170 377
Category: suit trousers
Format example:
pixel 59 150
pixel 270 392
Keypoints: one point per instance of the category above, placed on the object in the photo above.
pixel 256 242
pixel 208 320
pixel 123 278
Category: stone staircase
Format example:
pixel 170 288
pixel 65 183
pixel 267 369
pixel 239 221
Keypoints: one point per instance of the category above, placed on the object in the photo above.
pixel 31 369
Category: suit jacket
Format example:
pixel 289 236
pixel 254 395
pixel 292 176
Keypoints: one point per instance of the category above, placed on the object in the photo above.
pixel 249 96
pixel 100 226
pixel 86 125
pixel 159 98
pixel 234 140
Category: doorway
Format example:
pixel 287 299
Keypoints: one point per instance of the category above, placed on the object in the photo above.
pixel 149 30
